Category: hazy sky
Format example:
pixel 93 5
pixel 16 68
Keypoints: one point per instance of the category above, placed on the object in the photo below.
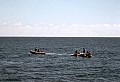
pixel 75 18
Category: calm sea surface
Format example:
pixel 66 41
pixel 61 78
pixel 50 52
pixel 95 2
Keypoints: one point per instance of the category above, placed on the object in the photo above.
pixel 57 65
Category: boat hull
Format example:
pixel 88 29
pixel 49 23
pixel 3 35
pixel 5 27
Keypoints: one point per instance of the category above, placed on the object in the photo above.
pixel 33 52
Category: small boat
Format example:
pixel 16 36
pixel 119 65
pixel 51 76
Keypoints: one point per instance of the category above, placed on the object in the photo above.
pixel 82 55
pixel 36 52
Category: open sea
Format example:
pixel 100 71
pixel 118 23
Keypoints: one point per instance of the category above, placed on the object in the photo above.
pixel 57 65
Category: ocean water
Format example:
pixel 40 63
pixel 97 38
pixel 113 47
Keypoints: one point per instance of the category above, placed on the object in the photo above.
pixel 57 65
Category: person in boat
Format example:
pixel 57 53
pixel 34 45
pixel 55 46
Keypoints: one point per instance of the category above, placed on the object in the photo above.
pixel 88 54
pixel 83 50
pixel 76 52
pixel 36 49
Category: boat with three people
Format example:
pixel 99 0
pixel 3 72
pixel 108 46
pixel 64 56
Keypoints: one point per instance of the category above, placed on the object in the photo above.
pixel 82 54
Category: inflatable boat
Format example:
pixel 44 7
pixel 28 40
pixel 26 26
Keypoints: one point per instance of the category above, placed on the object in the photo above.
pixel 36 52
pixel 82 55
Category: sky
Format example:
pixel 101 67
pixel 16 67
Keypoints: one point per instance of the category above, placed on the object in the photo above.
pixel 60 18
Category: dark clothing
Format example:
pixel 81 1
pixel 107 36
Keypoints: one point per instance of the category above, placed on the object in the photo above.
pixel 76 51
pixel 83 50
pixel 38 50
pixel 35 49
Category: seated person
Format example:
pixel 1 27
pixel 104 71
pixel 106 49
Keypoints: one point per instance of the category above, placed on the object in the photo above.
pixel 36 49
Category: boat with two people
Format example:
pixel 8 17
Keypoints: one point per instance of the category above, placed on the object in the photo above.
pixel 37 51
